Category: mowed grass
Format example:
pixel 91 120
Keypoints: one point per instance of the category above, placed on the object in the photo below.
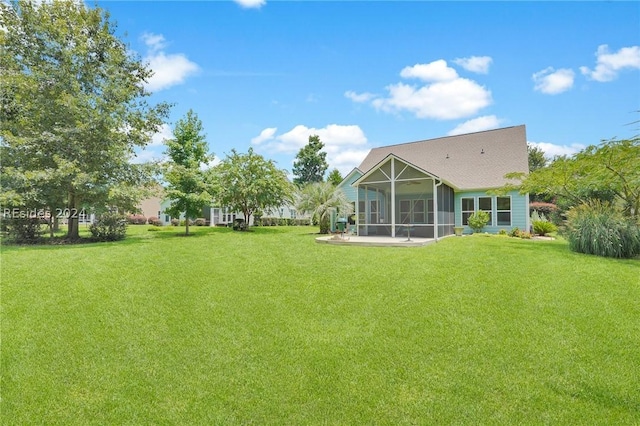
pixel 268 327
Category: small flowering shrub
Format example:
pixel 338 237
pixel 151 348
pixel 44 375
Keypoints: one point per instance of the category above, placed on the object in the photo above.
pixel 175 222
pixel 200 221
pixel 136 219
pixel 154 221
pixel 515 232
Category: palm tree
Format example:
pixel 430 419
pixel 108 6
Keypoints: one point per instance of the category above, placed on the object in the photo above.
pixel 320 199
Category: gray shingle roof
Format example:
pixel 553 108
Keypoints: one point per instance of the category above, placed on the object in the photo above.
pixel 475 160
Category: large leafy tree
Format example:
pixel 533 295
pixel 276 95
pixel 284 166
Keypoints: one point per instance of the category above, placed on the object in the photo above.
pixel 606 171
pixel 250 183
pixel 72 109
pixel 320 199
pixel 311 162
pixel 188 153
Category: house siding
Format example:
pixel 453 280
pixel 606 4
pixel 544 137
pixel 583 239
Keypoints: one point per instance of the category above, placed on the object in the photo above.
pixel 519 210
pixel 345 185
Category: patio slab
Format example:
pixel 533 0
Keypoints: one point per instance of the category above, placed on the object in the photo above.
pixel 375 241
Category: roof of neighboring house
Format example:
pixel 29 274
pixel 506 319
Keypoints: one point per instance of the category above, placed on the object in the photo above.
pixel 470 161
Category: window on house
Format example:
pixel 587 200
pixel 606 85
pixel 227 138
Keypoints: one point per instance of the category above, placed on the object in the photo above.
pixel 293 213
pixel 418 211
pixel 468 208
pixel 484 204
pixel 503 211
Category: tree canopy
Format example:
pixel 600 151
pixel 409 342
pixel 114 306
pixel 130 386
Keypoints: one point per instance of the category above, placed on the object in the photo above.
pixel 608 170
pixel 250 183
pixel 72 109
pixel 311 162
pixel 537 160
pixel 187 186
pixel 334 177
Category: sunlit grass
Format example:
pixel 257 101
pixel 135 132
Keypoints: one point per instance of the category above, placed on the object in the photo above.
pixel 268 327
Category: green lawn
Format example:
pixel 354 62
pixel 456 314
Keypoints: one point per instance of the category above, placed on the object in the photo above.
pixel 268 327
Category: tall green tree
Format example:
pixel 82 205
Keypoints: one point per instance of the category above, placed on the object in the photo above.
pixel 72 108
pixel 187 186
pixel 250 183
pixel 334 177
pixel 311 162
pixel 320 199
pixel 537 160
pixel 608 171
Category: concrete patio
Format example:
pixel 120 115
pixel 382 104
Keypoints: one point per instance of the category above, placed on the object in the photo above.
pixel 374 241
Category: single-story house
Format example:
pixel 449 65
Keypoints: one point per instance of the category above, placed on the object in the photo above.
pixel 429 187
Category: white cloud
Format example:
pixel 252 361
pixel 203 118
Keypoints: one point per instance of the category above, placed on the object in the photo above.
pixel 443 100
pixel 446 96
pixel 158 138
pixel 551 150
pixel 608 65
pixel 345 145
pixel 146 155
pixel 265 135
pixel 477 64
pixel 433 71
pixel 168 69
pixel 359 97
pixel 552 82
pixel 486 122
pixel 251 4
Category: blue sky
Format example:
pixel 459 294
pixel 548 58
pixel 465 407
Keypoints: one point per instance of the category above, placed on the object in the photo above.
pixel 267 74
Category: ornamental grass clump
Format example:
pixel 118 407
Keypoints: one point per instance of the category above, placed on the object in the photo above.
pixel 599 228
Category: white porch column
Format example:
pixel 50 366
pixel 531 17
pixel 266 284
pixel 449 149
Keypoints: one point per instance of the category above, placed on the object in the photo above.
pixel 393 197
pixel 211 217
pixel 435 209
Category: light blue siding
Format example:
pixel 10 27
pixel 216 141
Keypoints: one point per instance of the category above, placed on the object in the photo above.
pixel 346 187
pixel 519 210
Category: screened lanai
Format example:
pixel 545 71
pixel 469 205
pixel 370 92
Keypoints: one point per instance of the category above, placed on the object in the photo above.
pixel 396 199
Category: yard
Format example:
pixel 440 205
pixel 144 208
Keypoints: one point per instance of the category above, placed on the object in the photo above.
pixel 268 327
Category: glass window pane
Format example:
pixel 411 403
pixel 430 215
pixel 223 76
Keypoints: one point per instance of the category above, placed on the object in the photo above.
pixel 467 204
pixel 503 203
pixel 465 218
pixel 484 203
pixel 504 218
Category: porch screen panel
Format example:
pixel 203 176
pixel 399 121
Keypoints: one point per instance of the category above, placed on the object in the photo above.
pixel 446 210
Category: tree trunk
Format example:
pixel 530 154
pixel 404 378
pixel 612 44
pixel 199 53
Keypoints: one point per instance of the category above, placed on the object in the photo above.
pixel 73 230
pixel 186 223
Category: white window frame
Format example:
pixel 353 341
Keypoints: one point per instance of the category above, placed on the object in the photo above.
pixel 490 211
pixel 462 212
pixel 510 211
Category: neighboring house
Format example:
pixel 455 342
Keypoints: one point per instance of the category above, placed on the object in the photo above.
pixel 215 216
pixel 429 187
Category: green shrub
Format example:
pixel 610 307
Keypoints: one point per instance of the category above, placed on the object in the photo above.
pixel 109 227
pixel 502 232
pixel 599 228
pixel 136 219
pixel 478 221
pixel 525 235
pixel 541 224
pixel 24 230
pixel 239 225
pixel 542 227
pixel 515 232
pixel 201 221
